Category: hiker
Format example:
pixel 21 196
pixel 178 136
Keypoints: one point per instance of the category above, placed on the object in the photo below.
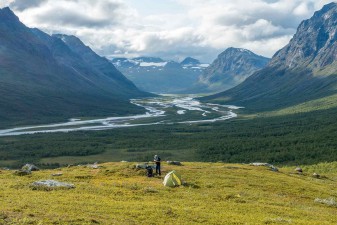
pixel 149 171
pixel 156 159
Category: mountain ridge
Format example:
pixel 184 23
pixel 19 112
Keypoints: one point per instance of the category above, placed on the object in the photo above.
pixel 156 75
pixel 230 68
pixel 42 79
pixel 305 69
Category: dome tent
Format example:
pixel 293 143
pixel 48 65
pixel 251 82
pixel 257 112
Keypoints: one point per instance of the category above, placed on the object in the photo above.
pixel 172 179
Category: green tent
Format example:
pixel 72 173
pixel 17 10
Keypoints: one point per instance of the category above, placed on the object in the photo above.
pixel 172 179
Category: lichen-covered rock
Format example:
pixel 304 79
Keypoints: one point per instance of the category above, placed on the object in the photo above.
pixel 272 168
pixel 144 166
pixel 260 164
pixel 299 170
pixel 30 167
pixel 177 163
pixel 94 166
pixel 51 184
pixel 22 172
pixel 57 174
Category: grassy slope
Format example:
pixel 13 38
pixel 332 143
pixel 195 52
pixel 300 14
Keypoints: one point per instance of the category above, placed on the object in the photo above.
pixel 214 193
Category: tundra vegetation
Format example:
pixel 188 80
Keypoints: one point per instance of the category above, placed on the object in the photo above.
pixel 212 193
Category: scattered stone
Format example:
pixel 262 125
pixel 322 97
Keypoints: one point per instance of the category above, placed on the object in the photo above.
pixel 260 164
pixel 70 165
pixel 123 161
pixel 330 201
pixel 141 166
pixel 57 174
pixel 177 163
pixel 52 184
pixel 22 172
pixel 144 166
pixel 316 175
pixel 299 170
pixel 272 168
pixel 30 167
pixel 94 166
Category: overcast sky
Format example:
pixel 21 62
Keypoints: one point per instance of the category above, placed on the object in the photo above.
pixel 171 29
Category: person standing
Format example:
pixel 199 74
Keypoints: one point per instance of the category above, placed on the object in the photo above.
pixel 156 159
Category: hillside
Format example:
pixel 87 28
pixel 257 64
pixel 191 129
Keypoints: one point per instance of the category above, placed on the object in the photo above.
pixel 229 69
pixel 159 76
pixel 304 70
pixel 43 79
pixel 213 193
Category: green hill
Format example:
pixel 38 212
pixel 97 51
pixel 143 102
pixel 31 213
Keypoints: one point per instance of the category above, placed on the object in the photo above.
pixel 213 193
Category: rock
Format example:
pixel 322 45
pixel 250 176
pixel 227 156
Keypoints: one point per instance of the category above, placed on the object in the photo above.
pixel 272 168
pixel 123 161
pixel 141 166
pixel 26 170
pixel 94 166
pixel 22 172
pixel 30 167
pixel 299 170
pixel 144 166
pixel 316 175
pixel 57 174
pixel 52 184
pixel 260 164
pixel 177 163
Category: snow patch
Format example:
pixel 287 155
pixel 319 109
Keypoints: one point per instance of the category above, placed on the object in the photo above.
pixel 147 64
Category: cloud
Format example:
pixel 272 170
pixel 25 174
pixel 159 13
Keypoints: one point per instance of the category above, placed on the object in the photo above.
pixel 24 4
pixel 73 14
pixel 200 29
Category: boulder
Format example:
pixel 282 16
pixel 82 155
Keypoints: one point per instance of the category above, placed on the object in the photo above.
pixel 144 166
pixel 52 184
pixel 22 172
pixel 260 164
pixel 177 163
pixel 316 175
pixel 272 168
pixel 299 170
pixel 94 166
pixel 57 174
pixel 30 167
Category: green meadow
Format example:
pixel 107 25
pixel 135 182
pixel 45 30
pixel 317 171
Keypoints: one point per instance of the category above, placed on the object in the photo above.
pixel 212 193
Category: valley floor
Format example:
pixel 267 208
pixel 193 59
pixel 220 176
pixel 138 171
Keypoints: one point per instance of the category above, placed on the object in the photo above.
pixel 213 193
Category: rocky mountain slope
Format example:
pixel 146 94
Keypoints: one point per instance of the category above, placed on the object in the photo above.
pixel 157 75
pixel 230 68
pixel 303 70
pixel 45 79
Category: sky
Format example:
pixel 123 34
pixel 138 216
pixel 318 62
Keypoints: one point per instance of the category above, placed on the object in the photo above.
pixel 170 29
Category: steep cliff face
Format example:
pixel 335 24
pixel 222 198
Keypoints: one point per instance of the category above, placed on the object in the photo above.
pixel 314 43
pixel 303 70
